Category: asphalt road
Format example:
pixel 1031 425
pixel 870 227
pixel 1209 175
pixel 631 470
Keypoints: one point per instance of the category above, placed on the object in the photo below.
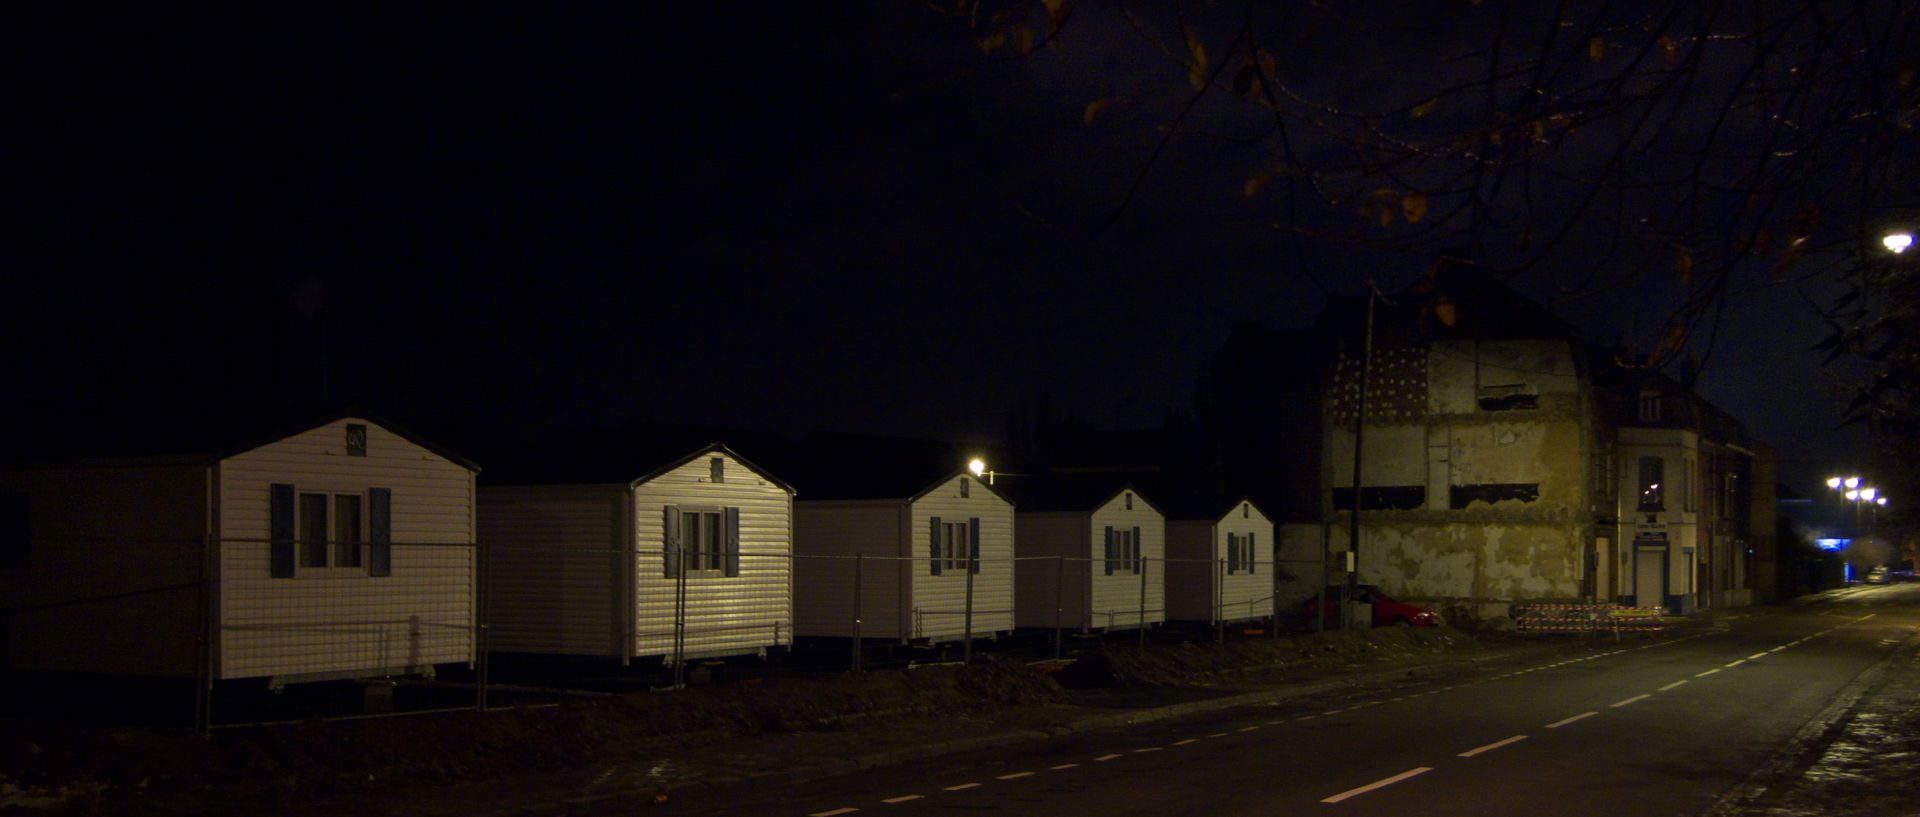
pixel 1661 728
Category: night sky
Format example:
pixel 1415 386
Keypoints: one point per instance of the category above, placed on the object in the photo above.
pixel 780 216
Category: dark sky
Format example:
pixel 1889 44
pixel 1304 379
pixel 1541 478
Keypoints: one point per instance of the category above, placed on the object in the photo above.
pixel 788 216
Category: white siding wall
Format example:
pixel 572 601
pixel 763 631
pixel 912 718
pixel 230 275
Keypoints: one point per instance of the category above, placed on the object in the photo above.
pixel 1246 595
pixel 1117 598
pixel 345 622
pixel 939 602
pixel 726 615
pixel 556 557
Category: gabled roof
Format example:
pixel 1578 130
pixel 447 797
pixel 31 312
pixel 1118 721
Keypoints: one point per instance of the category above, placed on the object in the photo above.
pixel 594 455
pixel 1208 508
pixel 64 436
pixel 837 465
pixel 1072 492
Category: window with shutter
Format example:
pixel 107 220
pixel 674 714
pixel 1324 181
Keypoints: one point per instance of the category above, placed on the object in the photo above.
pixel 316 533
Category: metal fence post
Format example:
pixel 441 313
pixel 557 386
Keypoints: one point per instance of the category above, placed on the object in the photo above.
pixel 966 648
pixel 1059 602
pixel 209 631
pixel 856 610
pixel 680 624
pixel 1220 600
pixel 1143 598
pixel 480 675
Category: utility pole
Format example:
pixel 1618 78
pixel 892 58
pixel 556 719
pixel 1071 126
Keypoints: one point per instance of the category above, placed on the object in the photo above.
pixel 1359 443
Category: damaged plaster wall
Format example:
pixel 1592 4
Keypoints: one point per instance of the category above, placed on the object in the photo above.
pixel 1502 452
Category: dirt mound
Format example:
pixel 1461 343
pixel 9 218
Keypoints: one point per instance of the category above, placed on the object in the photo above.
pixel 56 769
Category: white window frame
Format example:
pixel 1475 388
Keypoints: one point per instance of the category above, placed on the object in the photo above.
pixel 955 546
pixel 330 546
pixel 695 558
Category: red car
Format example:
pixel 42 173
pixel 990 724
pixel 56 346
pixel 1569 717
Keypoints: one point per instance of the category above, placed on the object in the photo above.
pixel 1386 611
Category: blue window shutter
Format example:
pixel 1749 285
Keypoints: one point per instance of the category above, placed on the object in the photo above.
pixel 933 532
pixel 973 544
pixel 1109 550
pixel 1139 552
pixel 733 541
pixel 670 541
pixel 379 532
pixel 280 531
pixel 1253 555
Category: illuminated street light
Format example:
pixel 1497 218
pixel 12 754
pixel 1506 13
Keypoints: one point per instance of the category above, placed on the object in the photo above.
pixel 1833 482
pixel 1867 494
pixel 1897 242
pixel 977 466
pixel 1853 496
pixel 1852 482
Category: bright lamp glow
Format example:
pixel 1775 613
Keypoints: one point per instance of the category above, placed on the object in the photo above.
pixel 1833 482
pixel 977 466
pixel 1869 493
pixel 1852 482
pixel 1880 501
pixel 1898 242
pixel 1853 495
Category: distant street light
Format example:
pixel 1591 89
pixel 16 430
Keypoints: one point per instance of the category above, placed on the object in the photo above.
pixel 1897 242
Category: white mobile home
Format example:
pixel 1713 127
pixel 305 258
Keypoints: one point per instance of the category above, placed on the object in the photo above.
pixel 934 561
pixel 692 559
pixel 341 549
pixel 1220 561
pixel 1091 555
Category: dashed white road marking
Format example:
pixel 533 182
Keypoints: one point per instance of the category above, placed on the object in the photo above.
pixel 963 787
pixel 1246 728
pixel 1579 717
pixel 833 812
pixel 1301 718
pixel 1014 776
pixel 1104 758
pixel 1758 655
pixel 1640 697
pixel 903 799
pixel 1333 712
pixel 1148 749
pixel 1492 746
pixel 1779 648
pixel 1670 686
pixel 1420 770
pixel 1707 673
pixel 1063 767
pixel 1185 742
pixel 1223 734
pixel 1736 663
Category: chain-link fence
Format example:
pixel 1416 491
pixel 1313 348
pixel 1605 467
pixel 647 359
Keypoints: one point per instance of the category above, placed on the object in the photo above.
pixel 410 626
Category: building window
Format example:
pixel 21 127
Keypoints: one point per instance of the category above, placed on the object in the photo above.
pixel 1649 407
pixel 1382 498
pixel 717 469
pixel 963 488
pixel 1129 498
pixel 1652 484
pixel 1239 553
pixel 1123 551
pixel 953 546
pixel 356 440
pixel 701 540
pixel 331 530
pixel 705 539
pixel 1509 397
pixel 16 540
pixel 1462 496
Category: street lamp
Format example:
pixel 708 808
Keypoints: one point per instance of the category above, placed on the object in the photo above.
pixel 1897 242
